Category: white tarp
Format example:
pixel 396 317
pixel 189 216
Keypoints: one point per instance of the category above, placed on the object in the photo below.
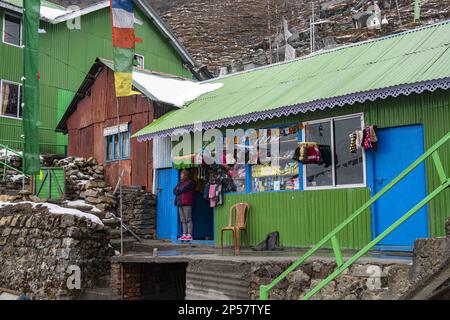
pixel 174 91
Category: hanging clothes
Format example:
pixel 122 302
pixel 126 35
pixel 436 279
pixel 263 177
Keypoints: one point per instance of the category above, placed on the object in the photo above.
pixel 370 138
pixel 359 139
pixel 313 154
pixel 326 155
pixel 212 195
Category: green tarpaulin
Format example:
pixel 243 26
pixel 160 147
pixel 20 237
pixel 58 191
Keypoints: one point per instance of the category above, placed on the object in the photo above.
pixel 31 16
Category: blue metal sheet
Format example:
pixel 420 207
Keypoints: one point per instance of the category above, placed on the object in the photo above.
pixel 167 218
pixel 398 148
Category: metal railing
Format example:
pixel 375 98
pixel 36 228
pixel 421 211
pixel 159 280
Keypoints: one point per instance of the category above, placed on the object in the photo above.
pixel 332 236
pixel 4 162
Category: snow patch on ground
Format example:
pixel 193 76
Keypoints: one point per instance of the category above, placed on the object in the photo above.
pixel 55 209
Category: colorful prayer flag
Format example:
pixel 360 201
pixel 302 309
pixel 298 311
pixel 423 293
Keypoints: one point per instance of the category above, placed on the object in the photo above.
pixel 30 122
pixel 124 42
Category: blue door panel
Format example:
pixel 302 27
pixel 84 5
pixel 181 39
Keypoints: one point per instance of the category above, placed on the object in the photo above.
pixel 397 148
pixel 167 216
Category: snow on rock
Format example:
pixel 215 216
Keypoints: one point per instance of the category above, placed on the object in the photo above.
pixel 81 203
pixel 55 209
pixel 17 177
pixel 3 153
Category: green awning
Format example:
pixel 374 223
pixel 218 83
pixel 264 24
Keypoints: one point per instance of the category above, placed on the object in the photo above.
pixel 408 62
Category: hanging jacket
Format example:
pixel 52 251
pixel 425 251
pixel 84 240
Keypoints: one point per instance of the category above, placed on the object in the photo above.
pixel 184 193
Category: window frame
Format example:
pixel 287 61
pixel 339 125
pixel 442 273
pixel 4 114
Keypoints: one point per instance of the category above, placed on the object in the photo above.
pixel 331 120
pixel 21 29
pixel 19 98
pixel 120 134
pixel 143 60
pixel 300 171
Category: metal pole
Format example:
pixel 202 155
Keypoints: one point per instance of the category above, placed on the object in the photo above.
pixel 398 12
pixel 270 30
pixel 120 192
pixel 312 29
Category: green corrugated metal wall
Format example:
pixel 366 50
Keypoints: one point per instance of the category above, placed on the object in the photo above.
pixel 281 213
pixel 65 58
pixel 302 218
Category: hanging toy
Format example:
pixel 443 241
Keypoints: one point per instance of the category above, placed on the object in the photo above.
pixel 353 142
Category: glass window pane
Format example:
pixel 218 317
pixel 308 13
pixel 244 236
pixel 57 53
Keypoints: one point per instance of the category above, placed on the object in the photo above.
pixel 238 174
pixel 12 30
pixel 320 175
pixel 116 147
pixel 109 148
pixel 349 166
pixel 10 99
pixel 125 145
pixel 139 60
pixel 284 174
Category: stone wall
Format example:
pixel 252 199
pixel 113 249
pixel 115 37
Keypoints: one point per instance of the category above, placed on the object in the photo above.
pixel 37 248
pixel 362 281
pixel 139 211
pixel 85 180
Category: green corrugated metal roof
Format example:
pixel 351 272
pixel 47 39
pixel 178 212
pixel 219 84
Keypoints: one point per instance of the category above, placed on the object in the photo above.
pixel 408 58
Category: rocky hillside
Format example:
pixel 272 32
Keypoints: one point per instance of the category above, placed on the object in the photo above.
pixel 245 33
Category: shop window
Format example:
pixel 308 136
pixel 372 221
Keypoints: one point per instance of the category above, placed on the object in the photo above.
pixel 338 167
pixel 10 99
pixel 117 144
pixel 284 174
pixel 12 30
pixel 238 172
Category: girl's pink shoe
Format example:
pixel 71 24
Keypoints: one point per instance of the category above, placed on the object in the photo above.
pixel 188 238
pixel 182 238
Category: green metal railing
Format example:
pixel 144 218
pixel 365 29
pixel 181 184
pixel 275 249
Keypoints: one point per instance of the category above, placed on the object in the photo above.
pixel 4 162
pixel 341 265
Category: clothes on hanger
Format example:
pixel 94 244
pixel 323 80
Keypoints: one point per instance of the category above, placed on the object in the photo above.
pixel 370 141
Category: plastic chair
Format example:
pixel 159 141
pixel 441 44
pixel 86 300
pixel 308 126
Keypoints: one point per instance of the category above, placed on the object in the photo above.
pixel 241 210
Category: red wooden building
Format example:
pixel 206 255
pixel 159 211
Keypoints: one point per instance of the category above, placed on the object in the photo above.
pixel 91 124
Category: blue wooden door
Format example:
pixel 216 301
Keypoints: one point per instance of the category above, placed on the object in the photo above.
pixel 167 216
pixel 399 147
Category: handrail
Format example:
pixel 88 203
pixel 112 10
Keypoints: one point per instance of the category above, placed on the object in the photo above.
pixel 4 162
pixel 445 183
pixel 10 150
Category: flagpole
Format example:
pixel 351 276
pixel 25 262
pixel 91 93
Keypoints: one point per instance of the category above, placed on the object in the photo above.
pixel 119 169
